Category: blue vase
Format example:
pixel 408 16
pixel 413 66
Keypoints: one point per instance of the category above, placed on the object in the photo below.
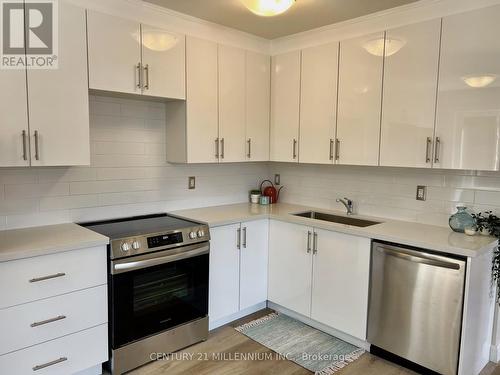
pixel 461 220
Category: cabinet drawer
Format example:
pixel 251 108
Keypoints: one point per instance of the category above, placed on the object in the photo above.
pixel 30 279
pixel 63 356
pixel 36 322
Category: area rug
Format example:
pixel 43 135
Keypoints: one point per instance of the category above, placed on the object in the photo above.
pixel 312 349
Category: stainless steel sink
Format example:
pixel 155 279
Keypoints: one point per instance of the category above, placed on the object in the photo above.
pixel 337 219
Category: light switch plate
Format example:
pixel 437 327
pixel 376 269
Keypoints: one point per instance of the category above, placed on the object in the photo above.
pixel 192 183
pixel 277 180
pixel 421 193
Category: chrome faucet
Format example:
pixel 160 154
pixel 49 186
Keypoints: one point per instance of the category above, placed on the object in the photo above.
pixel 349 205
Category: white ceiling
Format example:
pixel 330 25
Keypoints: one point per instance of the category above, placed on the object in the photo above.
pixel 304 15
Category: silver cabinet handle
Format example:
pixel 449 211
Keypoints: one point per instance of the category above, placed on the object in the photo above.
pixel 139 76
pixel 47 321
pixel 146 72
pixel 309 241
pixel 427 150
pixel 337 149
pixel 51 363
pixel 245 237
pixel 438 150
pixel 249 155
pixel 217 148
pixel 222 148
pixel 37 148
pixel 25 146
pixel 238 238
pixel 331 149
pixel 294 154
pixel 315 243
pixel 43 278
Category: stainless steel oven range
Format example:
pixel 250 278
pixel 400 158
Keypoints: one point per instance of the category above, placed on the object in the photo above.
pixel 158 286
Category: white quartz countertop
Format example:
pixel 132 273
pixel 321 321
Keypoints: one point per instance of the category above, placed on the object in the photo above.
pixel 431 237
pixel 44 240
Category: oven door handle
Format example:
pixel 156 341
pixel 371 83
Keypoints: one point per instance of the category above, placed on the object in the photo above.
pixel 132 266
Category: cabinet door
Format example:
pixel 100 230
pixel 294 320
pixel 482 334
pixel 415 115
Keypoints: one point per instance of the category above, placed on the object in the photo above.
pixel 224 272
pixel 409 104
pixel 341 269
pixel 285 101
pixel 14 147
pixel 164 63
pixel 232 104
pixel 468 110
pixel 318 102
pixel 253 263
pixel 258 91
pixel 290 266
pixel 114 53
pixel 360 91
pixel 201 101
pixel 58 99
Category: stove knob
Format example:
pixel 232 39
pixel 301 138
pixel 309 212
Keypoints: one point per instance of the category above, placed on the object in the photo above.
pixel 192 235
pixel 201 233
pixel 125 246
pixel 136 245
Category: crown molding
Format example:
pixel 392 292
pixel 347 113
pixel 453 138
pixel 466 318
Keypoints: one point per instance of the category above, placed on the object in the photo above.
pixel 161 17
pixel 419 11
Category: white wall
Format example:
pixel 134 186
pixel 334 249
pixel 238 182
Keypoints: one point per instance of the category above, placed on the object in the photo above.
pixel 390 192
pixel 128 174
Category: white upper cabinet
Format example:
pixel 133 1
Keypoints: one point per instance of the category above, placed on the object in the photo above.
pixel 360 90
pixel 318 102
pixel 409 98
pixel 285 102
pixel 58 99
pixel 468 109
pixel 114 53
pixel 201 102
pixel 164 63
pixel 258 91
pixel 14 131
pixel 232 104
pixel 127 57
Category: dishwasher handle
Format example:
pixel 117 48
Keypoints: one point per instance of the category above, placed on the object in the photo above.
pixel 418 257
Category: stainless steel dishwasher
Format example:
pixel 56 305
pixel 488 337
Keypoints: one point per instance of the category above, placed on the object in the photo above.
pixel 416 302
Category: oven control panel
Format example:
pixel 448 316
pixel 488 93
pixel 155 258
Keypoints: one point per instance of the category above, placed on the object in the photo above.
pixel 164 240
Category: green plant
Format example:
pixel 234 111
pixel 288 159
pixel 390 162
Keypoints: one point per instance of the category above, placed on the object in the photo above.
pixel 490 222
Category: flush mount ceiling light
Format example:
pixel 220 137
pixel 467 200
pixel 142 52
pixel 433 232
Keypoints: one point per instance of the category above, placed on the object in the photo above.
pixel 156 40
pixel 479 80
pixel 268 8
pixel 376 46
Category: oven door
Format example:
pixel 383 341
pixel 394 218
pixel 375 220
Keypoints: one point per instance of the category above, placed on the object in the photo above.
pixel 154 292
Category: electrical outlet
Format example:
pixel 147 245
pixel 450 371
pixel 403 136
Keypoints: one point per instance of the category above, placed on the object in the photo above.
pixel 277 179
pixel 192 183
pixel 421 193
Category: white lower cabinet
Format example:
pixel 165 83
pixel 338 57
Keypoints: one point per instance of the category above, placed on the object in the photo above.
pixel 320 274
pixel 238 269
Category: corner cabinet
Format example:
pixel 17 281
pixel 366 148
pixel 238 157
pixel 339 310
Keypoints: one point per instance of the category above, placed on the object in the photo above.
pixel 320 274
pixel 128 57
pixel 285 102
pixel 238 270
pixel 45 112
pixel 468 106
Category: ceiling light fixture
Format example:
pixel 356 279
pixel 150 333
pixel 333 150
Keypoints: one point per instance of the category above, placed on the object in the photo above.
pixel 268 8
pixel 156 40
pixel 479 80
pixel 375 46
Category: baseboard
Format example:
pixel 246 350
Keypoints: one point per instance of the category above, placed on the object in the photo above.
pixel 322 327
pixel 495 353
pixel 240 314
